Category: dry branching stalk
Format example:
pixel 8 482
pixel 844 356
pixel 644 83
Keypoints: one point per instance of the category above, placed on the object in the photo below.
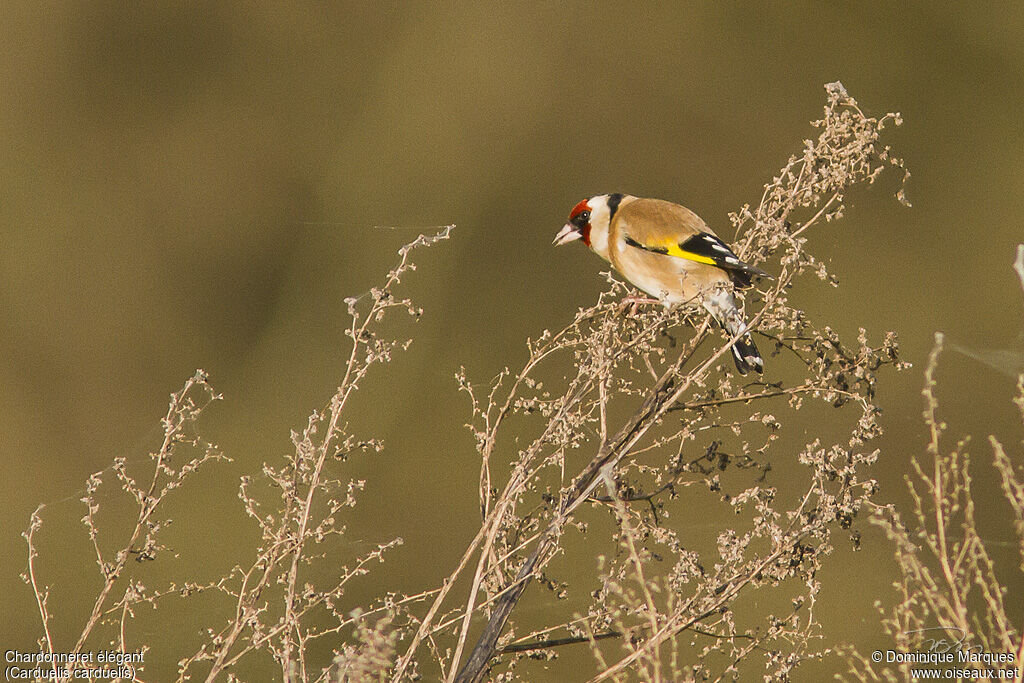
pixel 181 454
pixel 295 504
pixel 652 439
pixel 951 599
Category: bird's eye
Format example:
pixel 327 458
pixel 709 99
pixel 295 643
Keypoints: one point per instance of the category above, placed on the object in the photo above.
pixel 581 219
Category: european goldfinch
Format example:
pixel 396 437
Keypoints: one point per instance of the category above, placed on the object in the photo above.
pixel 667 251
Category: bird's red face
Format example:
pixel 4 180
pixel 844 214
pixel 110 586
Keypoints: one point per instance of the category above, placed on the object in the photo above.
pixel 578 227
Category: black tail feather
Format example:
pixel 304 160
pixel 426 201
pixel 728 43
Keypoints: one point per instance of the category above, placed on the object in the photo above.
pixel 746 355
pixel 722 306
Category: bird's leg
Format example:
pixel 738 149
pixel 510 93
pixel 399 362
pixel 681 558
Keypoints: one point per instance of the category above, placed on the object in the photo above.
pixel 636 300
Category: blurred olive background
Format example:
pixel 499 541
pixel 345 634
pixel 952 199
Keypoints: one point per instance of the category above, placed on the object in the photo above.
pixel 200 184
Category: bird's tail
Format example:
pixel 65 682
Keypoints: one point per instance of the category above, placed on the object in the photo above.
pixel 722 305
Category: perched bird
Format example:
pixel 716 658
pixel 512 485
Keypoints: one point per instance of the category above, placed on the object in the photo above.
pixel 667 251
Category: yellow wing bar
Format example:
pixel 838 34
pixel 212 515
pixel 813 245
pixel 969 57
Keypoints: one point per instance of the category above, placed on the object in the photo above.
pixel 673 249
pixel 670 248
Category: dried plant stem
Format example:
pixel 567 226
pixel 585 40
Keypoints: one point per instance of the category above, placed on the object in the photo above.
pixel 659 400
pixel 725 593
pixel 629 535
pixel 180 411
pixel 353 373
pixel 146 507
pixel 489 528
pixel 843 155
pixel 293 530
pixel 40 594
pixel 662 397
pixel 957 611
pixel 948 579
pixel 558 642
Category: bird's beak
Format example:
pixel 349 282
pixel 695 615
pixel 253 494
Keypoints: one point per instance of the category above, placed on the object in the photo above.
pixel 567 234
